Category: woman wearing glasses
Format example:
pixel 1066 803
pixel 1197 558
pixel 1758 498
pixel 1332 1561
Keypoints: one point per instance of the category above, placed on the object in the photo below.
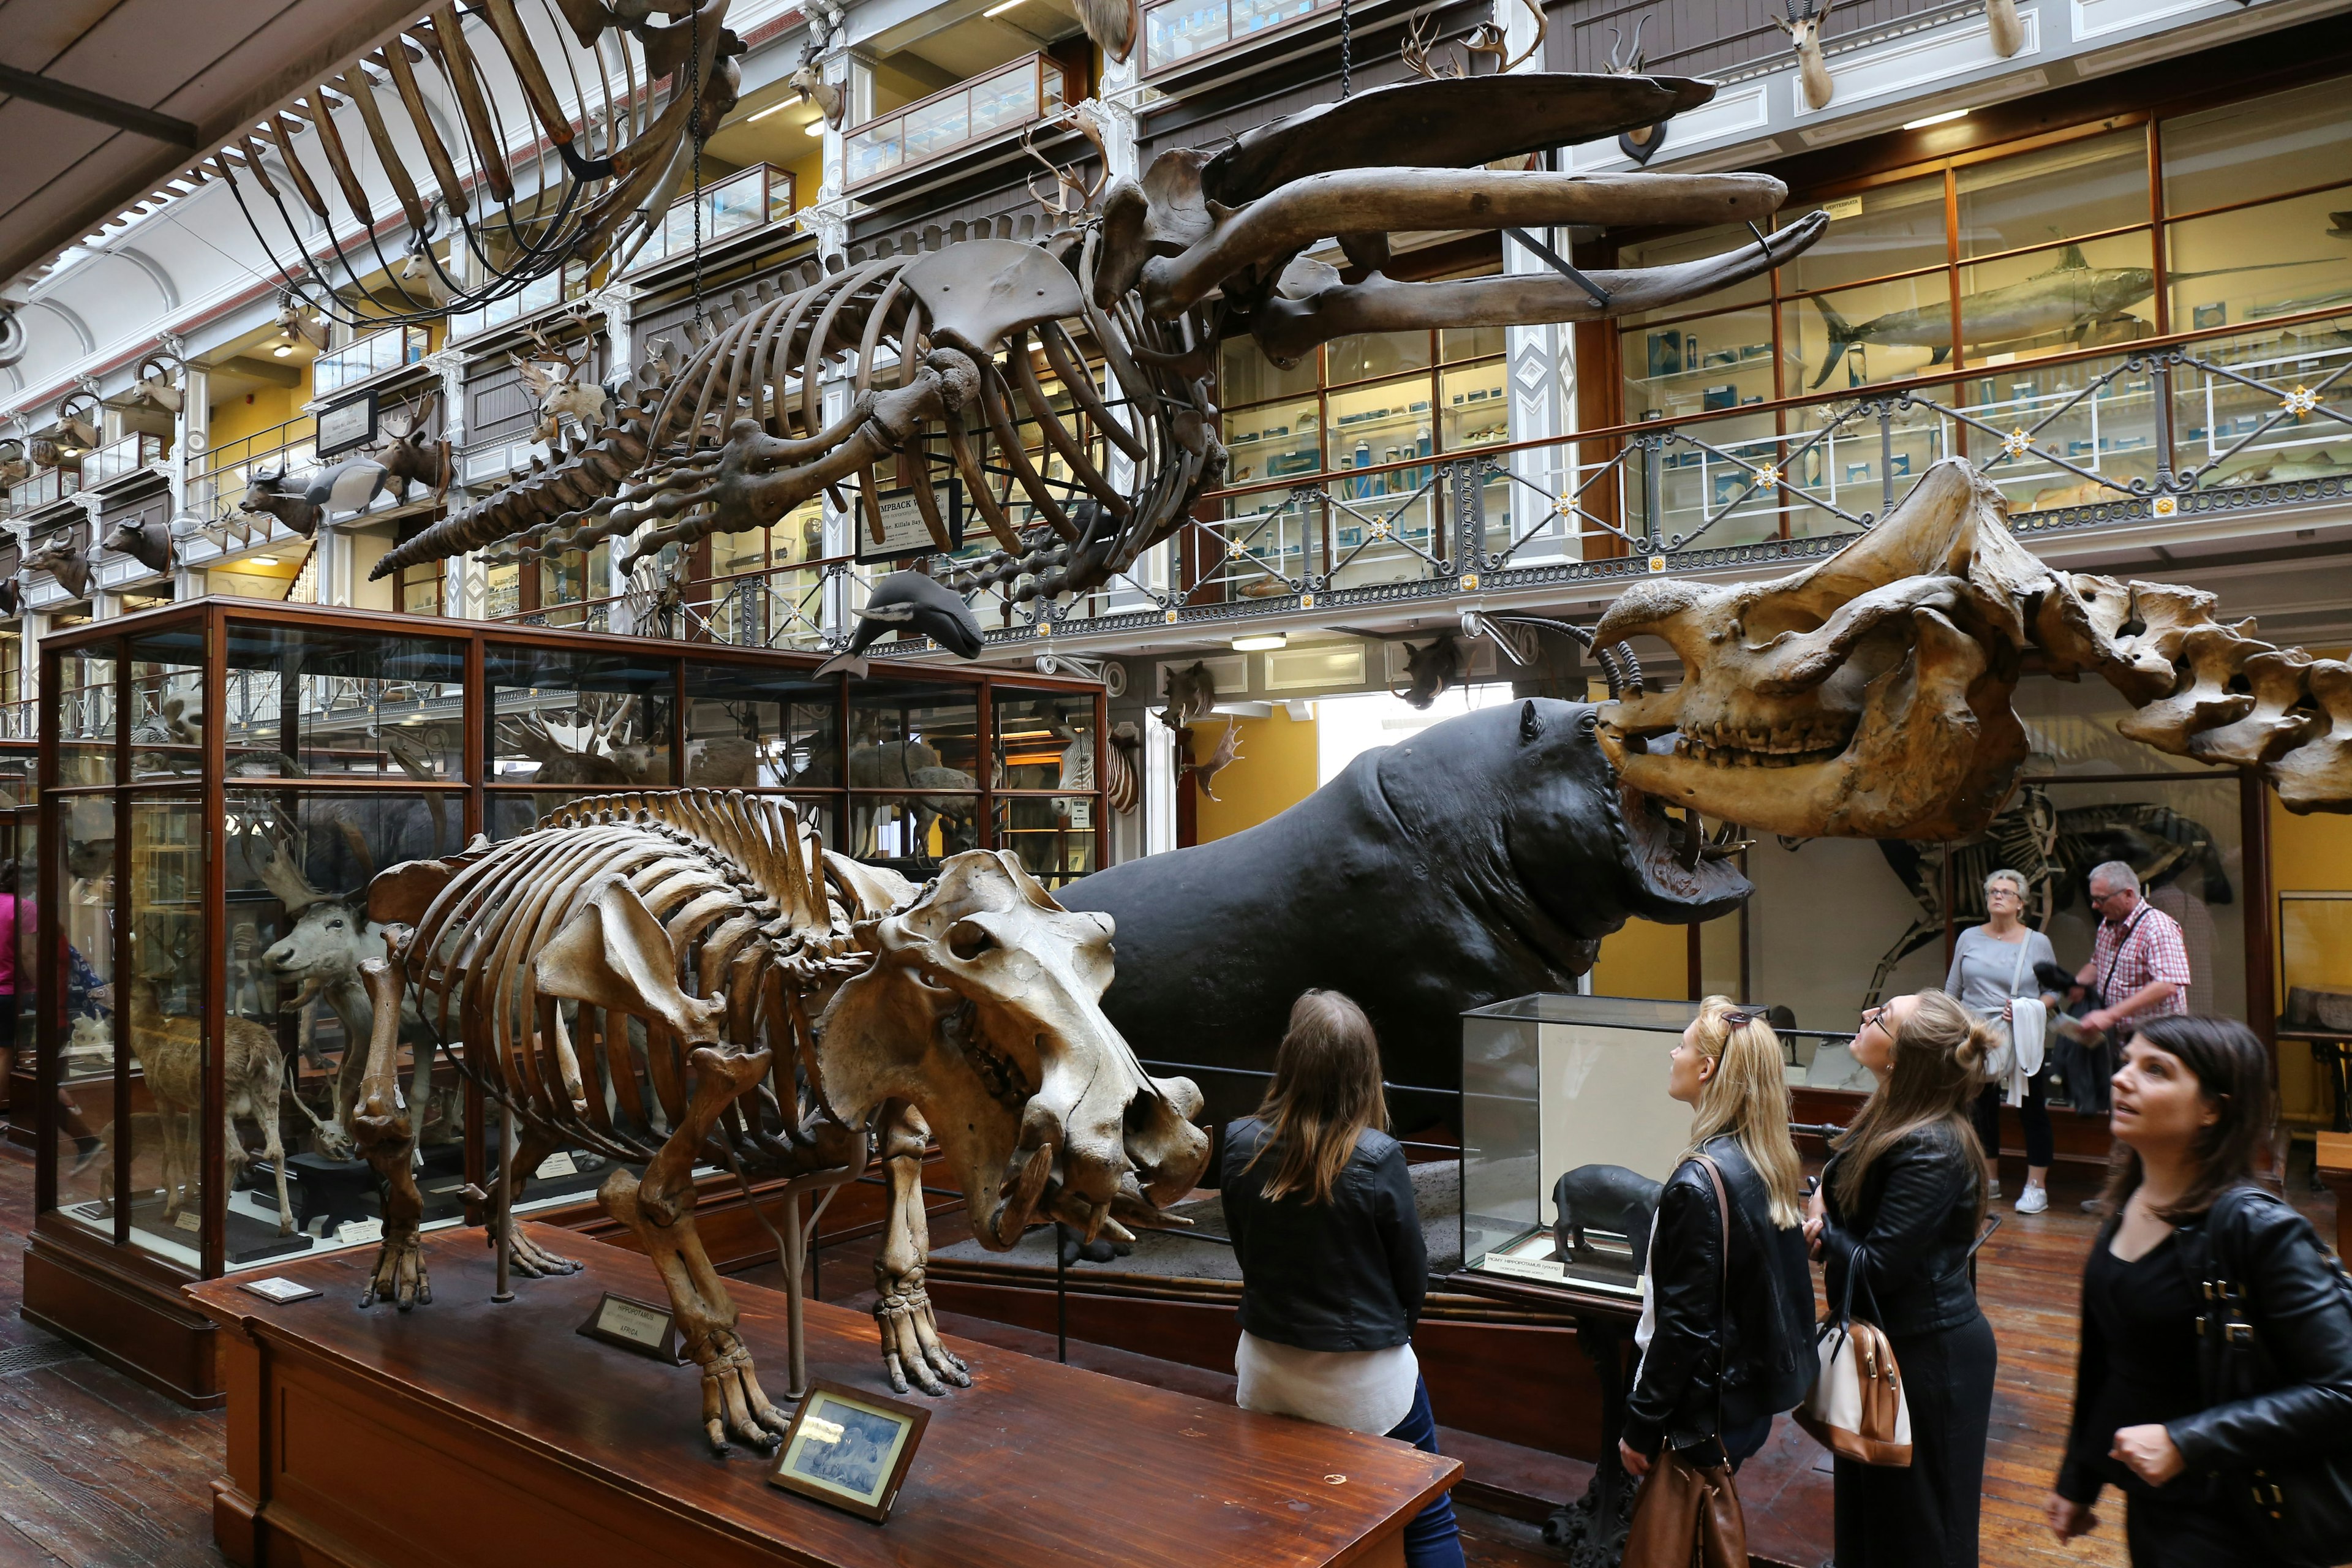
pixel 1896 1214
pixel 1993 968
pixel 1710 1375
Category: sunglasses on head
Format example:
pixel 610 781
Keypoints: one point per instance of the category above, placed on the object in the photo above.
pixel 1734 1019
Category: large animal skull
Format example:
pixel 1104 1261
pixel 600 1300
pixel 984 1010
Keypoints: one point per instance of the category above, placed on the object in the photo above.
pixel 983 1007
pixel 1868 696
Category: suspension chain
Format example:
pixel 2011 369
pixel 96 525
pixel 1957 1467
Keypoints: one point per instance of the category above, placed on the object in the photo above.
pixel 1347 51
pixel 694 135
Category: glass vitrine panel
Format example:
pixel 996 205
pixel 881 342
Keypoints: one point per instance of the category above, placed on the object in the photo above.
pixel 1714 361
pixel 2077 187
pixel 2276 259
pixel 1053 834
pixel 159 984
pixel 86 1109
pixel 2054 301
pixel 311 702
pixel 1883 331
pixel 1874 233
pixel 86 702
pixel 750 727
pixel 1044 741
pixel 2259 147
pixel 562 718
pixel 913 735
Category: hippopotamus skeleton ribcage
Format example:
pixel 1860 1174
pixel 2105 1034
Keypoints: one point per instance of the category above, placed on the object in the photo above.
pixel 943 350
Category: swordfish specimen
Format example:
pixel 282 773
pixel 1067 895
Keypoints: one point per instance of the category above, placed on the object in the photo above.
pixel 952 348
pixel 690 977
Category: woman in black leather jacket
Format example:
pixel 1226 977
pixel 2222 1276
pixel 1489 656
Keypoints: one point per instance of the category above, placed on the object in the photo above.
pixel 1709 1375
pixel 2191 1107
pixel 1320 1209
pixel 1898 1209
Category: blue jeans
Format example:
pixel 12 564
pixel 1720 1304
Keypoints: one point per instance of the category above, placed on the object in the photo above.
pixel 1433 1540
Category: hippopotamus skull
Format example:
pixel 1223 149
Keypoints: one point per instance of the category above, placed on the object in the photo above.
pixel 1869 696
pixel 983 1007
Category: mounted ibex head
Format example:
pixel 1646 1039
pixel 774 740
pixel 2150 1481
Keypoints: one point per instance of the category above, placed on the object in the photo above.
pixel 1642 143
pixel 157 384
pixel 299 318
pixel 808 80
pixel 78 418
pixel 2008 30
pixel 16 467
pixel 1803 26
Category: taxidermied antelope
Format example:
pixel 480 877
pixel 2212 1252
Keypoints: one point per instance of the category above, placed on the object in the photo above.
pixel 1643 142
pixel 2008 30
pixel 554 377
pixel 1803 26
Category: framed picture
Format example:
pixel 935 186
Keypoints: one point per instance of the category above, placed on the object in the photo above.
pixel 850 1449
pixel 903 533
pixel 347 424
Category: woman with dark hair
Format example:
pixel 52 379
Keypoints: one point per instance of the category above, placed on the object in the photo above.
pixel 1895 1219
pixel 2192 1238
pixel 1320 1209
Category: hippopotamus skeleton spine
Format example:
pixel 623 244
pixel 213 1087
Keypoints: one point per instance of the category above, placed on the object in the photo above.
pixel 943 348
pixel 672 979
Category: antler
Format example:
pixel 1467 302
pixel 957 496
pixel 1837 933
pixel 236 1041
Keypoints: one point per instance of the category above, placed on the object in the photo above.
pixel 1071 197
pixel 1487 38
pixel 1414 51
pixel 281 869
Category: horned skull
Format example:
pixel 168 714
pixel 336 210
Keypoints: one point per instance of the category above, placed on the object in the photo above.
pixel 1868 696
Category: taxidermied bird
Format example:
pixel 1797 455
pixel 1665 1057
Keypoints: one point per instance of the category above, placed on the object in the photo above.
pixel 905 602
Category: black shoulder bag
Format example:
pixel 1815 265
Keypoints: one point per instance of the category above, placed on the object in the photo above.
pixel 2301 1513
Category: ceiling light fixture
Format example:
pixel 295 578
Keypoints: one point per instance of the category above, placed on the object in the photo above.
pixel 262 560
pixel 1261 642
pixel 776 108
pixel 814 127
pixel 1949 114
pixel 1000 7
pixel 282 349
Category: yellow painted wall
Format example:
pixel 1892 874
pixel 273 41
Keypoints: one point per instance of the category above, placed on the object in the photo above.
pixel 1274 771
pixel 2310 855
pixel 234 418
pixel 1646 958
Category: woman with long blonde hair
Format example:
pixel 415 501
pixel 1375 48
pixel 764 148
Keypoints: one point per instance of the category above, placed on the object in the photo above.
pixel 1894 1222
pixel 1727 1338
pixel 1320 1209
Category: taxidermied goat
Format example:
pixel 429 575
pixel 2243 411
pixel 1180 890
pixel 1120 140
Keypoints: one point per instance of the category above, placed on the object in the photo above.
pixel 1803 26
pixel 156 385
pixel 64 560
pixel 1641 143
pixel 2008 30
pixel 349 487
pixel 830 101
pixel 148 540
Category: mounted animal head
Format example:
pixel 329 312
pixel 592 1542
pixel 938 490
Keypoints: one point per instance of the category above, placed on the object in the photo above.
pixel 79 418
pixel 146 538
pixel 1642 143
pixel 330 932
pixel 1803 25
pixel 557 378
pixel 984 1008
pixel 1868 696
pixel 412 454
pixel 1431 668
pixel 16 467
pixel 268 492
pixel 809 82
pixel 157 384
pixel 2007 28
pixel 1192 692
pixel 63 559
pixel 300 319
pixel 1112 25
pixel 1485 38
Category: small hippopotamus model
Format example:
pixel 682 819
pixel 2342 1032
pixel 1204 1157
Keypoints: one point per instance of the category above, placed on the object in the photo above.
pixel 1603 1197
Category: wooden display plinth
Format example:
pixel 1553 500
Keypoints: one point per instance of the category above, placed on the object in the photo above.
pixel 468 1432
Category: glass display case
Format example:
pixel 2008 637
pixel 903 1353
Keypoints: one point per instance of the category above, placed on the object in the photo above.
pixel 1555 1085
pixel 198 1022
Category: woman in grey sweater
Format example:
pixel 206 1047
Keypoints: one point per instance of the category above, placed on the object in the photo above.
pixel 1992 965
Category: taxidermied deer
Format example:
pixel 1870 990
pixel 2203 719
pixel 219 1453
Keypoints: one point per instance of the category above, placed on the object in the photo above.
pixel 411 453
pixel 1803 26
pixel 553 375
pixel 1485 38
pixel 171 1054
pixel 1642 143
pixel 1071 197
pixel 2008 30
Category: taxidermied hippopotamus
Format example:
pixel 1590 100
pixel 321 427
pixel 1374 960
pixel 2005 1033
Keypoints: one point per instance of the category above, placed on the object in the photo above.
pixel 1483 860
pixel 1603 1197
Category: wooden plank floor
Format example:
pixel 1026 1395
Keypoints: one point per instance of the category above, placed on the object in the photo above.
pixel 96 1470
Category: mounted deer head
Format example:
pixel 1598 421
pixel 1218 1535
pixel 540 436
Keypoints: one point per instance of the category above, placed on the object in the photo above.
pixel 1803 26
pixel 1071 197
pixel 1640 145
pixel 411 453
pixel 557 378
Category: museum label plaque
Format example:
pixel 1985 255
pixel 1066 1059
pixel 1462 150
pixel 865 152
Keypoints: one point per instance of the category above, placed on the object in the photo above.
pixel 635 1326
pixel 849 1448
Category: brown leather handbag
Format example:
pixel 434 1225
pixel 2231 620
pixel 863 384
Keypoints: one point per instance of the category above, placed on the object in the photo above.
pixel 1689 1513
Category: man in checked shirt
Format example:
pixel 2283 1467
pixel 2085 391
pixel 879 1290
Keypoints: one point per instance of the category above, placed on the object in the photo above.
pixel 2138 962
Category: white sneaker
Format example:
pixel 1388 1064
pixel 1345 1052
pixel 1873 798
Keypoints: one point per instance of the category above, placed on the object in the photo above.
pixel 2033 1200
pixel 1992 1191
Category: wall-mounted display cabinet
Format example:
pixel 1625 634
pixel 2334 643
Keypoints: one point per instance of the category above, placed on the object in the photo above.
pixel 220 780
